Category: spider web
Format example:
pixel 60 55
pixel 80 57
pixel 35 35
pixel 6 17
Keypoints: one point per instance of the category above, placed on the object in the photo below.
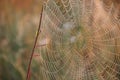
pixel 77 42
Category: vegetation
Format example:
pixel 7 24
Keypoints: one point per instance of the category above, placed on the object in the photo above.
pixel 81 51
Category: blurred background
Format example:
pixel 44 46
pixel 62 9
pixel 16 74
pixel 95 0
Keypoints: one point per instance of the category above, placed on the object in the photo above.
pixel 19 20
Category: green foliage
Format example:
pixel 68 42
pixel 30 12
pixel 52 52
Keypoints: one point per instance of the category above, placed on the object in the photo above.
pixel 9 72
